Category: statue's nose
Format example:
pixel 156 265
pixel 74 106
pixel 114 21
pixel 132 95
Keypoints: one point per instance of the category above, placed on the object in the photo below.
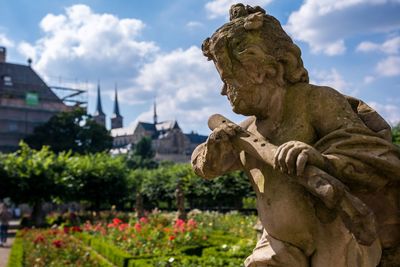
pixel 223 89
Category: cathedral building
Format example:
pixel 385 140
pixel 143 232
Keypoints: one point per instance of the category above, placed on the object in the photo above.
pixel 168 140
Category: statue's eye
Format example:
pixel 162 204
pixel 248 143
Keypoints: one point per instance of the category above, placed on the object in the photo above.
pixel 248 52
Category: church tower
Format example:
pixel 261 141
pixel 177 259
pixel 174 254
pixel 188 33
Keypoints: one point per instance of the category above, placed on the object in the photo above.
pixel 116 118
pixel 99 115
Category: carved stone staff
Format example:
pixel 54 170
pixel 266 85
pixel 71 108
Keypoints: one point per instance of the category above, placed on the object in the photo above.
pixel 356 216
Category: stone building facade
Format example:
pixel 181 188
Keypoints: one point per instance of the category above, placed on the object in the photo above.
pixel 25 102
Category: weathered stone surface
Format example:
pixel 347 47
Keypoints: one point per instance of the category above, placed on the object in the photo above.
pixel 324 170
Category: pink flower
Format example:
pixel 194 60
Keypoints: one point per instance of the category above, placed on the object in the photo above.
pixel 180 225
pixel 138 227
pixel 123 226
pixel 143 220
pixel 192 224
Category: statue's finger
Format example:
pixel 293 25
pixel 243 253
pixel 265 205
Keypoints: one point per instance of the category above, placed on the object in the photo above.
pixel 301 162
pixel 291 159
pixel 282 157
pixel 276 156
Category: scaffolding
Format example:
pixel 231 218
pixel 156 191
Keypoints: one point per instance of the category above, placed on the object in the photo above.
pixel 71 96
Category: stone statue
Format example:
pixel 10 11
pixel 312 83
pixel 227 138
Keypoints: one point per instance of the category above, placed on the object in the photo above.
pixel 322 164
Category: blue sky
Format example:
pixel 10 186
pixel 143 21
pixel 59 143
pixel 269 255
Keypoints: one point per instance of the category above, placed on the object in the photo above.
pixel 151 50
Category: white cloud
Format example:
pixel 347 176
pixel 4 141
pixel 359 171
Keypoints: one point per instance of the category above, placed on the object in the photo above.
pixel 325 25
pixel 391 46
pixel 369 79
pixel 82 42
pixel 5 41
pixel 332 79
pixel 220 8
pixel 186 85
pixel 28 50
pixel 389 66
pixel 389 111
pixel 194 24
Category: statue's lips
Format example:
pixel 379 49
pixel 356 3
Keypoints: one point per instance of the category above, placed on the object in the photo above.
pixel 235 94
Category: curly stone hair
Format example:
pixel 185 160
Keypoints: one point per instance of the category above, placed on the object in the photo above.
pixel 276 42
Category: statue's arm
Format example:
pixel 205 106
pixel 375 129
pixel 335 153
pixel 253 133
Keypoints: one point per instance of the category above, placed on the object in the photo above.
pixel 218 155
pixel 352 152
pixel 211 159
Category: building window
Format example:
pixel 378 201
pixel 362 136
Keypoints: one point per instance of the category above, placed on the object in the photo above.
pixel 7 81
pixel 12 127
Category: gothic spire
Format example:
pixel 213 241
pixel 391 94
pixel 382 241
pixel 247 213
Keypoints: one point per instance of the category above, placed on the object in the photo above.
pixel 116 105
pixel 99 108
pixel 155 113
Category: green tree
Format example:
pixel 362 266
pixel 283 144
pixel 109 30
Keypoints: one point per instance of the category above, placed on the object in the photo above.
pixel 73 130
pixel 142 155
pixel 34 177
pixel 99 179
pixel 396 134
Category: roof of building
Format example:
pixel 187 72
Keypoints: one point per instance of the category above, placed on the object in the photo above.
pixel 130 130
pixel 167 125
pixel 147 126
pixel 196 138
pixel 23 79
pixel 123 131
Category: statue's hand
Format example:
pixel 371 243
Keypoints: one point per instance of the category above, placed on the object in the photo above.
pixel 293 156
pixel 223 133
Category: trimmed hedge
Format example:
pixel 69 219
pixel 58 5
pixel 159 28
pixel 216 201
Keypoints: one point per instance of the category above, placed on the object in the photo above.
pixel 86 240
pixel 110 252
pixel 16 258
pixel 186 261
pixel 210 254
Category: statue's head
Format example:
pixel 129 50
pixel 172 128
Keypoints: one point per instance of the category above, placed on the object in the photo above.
pixel 251 53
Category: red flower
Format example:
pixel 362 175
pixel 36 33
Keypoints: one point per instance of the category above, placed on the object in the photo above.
pixel 66 229
pixel 76 229
pixel 110 225
pixel 54 231
pixel 39 239
pixel 57 243
pixel 116 221
pixel 171 237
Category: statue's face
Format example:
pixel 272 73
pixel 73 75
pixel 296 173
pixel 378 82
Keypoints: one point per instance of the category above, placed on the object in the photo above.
pixel 246 70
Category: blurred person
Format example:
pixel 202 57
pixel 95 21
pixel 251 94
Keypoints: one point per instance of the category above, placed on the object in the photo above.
pixel 5 217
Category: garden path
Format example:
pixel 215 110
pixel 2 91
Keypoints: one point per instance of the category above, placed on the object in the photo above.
pixel 5 251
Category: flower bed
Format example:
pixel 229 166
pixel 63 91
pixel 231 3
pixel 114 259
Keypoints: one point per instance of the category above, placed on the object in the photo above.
pixel 205 239
pixel 53 248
